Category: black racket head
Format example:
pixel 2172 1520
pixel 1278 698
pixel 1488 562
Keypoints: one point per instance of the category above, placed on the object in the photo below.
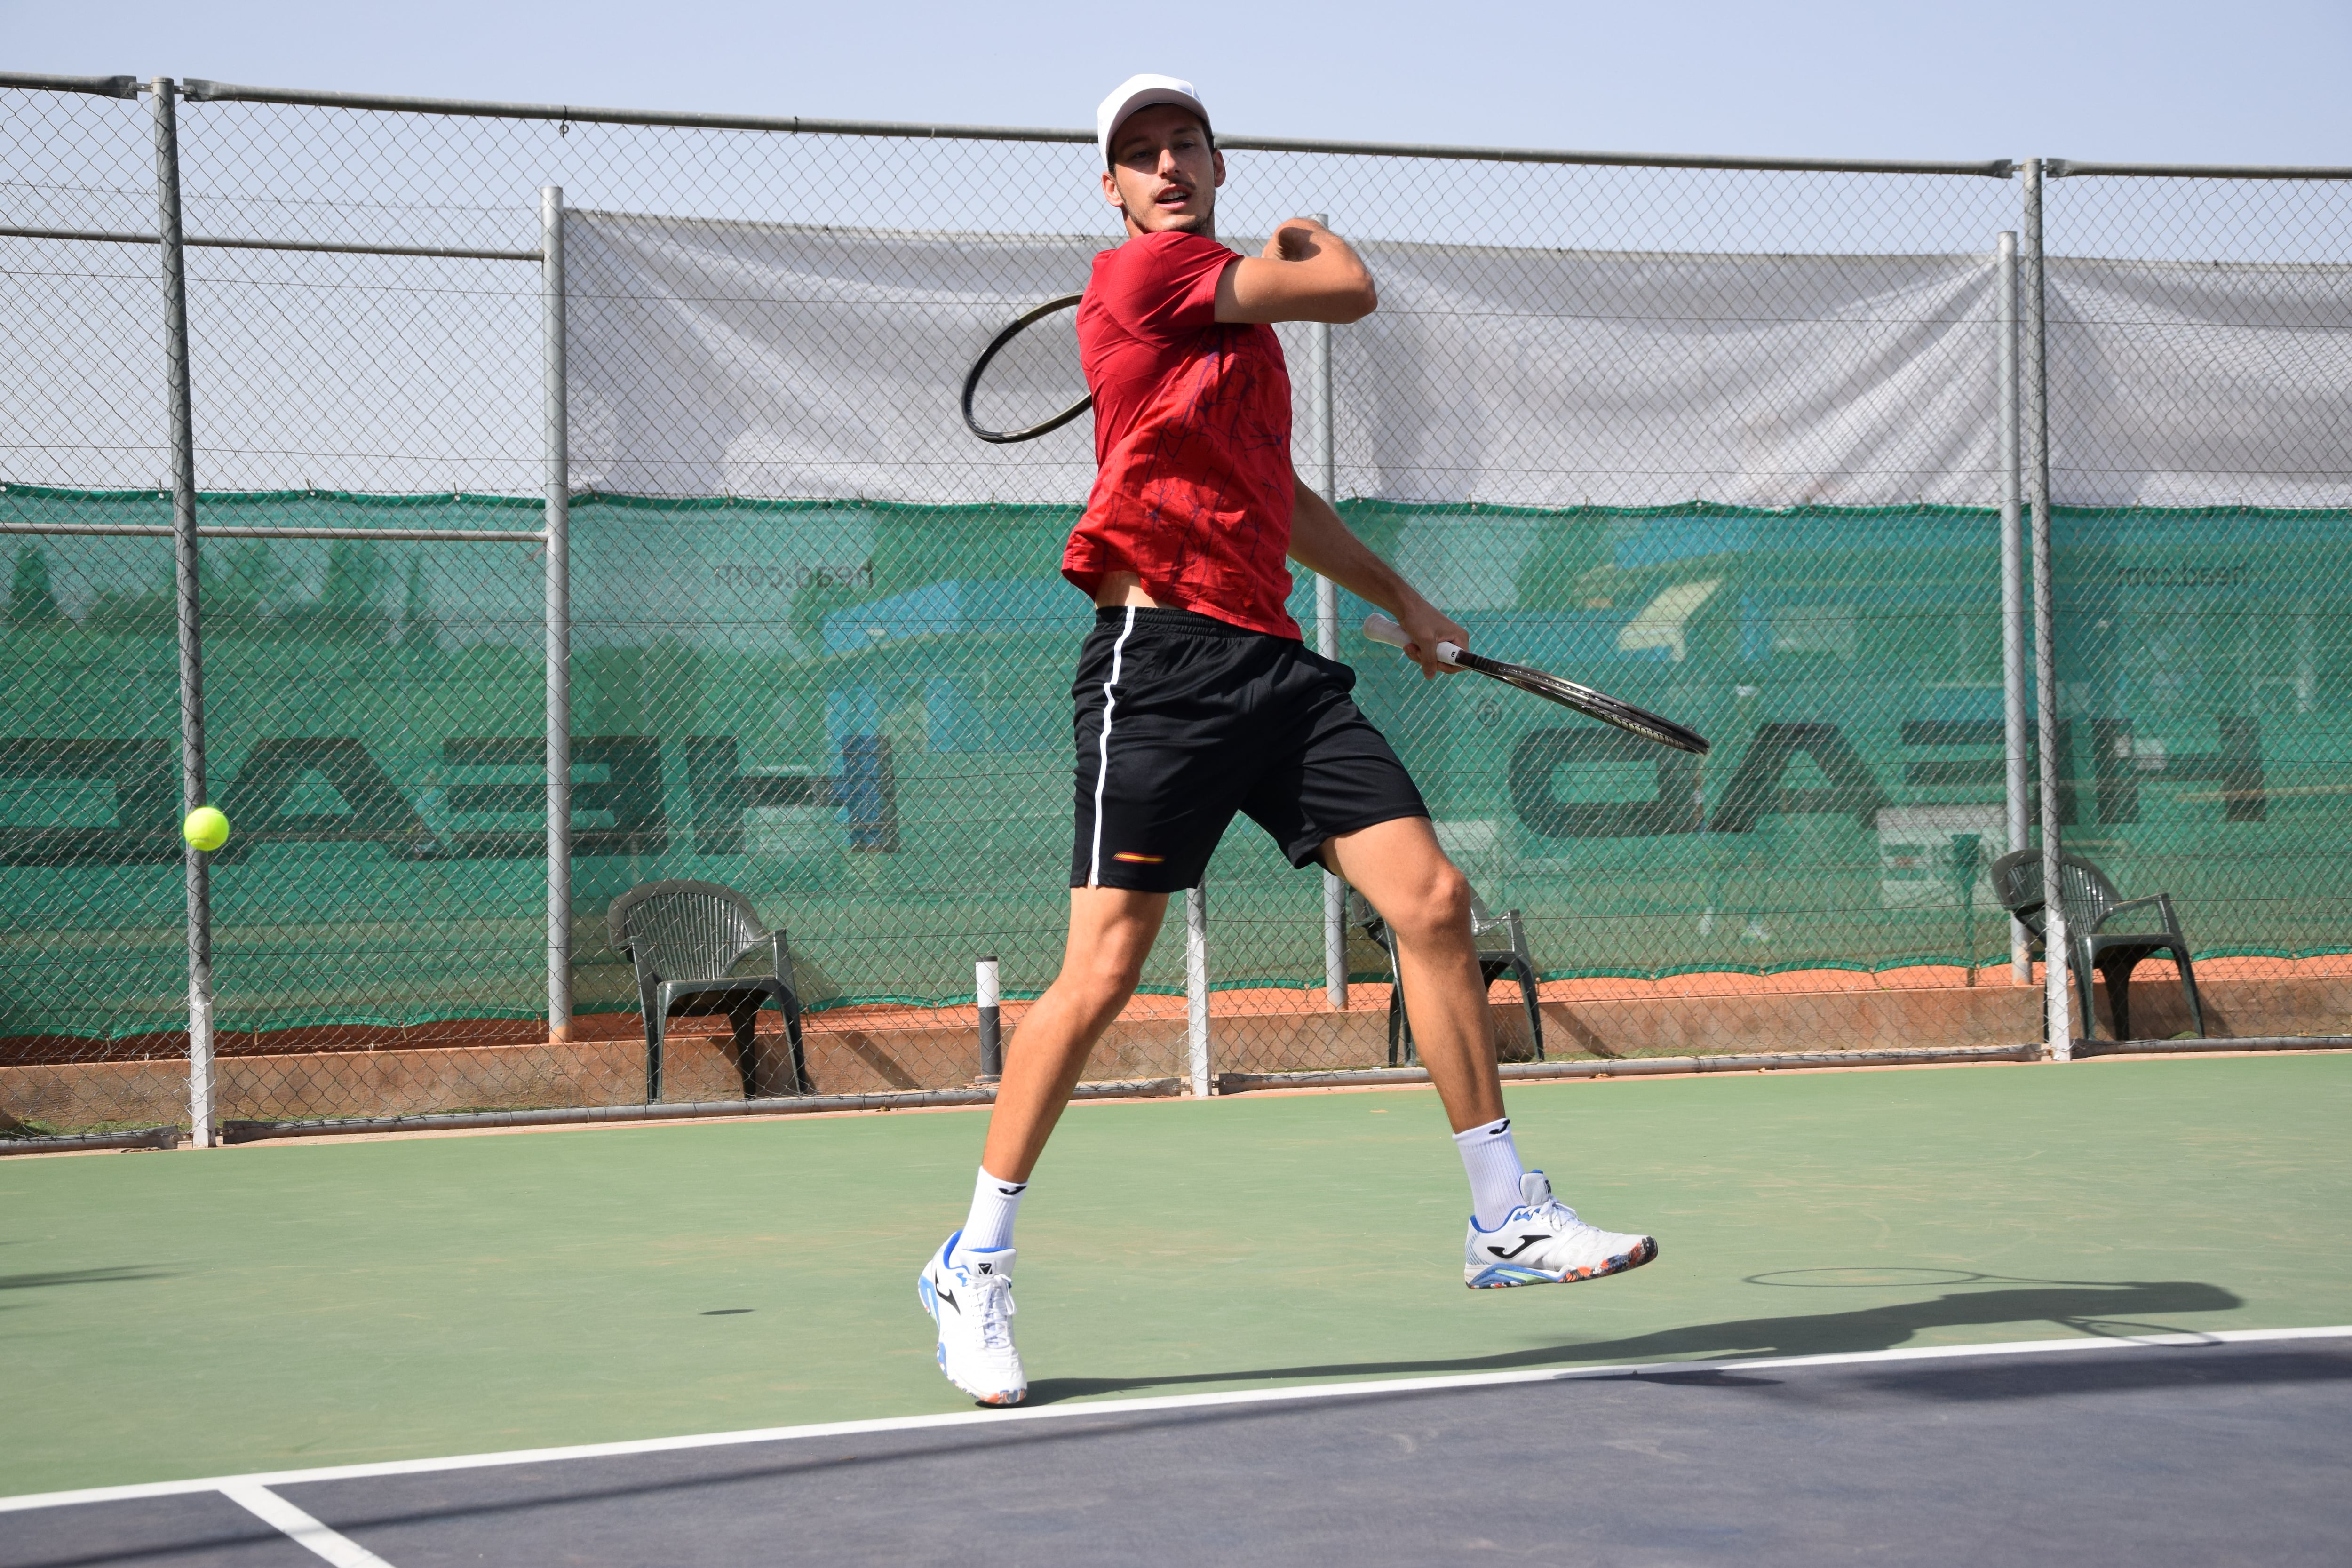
pixel 1593 704
pixel 1028 381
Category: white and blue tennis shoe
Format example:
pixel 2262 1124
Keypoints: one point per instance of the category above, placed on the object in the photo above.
pixel 1542 1242
pixel 969 1297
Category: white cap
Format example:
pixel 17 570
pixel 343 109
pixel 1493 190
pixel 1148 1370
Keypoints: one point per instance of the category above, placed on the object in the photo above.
pixel 1141 92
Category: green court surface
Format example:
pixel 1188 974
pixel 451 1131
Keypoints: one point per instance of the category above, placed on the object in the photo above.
pixel 186 1314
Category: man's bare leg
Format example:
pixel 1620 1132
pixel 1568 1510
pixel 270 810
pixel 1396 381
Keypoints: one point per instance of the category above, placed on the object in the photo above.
pixel 967 1287
pixel 1399 866
pixel 1111 932
pixel 1519 1235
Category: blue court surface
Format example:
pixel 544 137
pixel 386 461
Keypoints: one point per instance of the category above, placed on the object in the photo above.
pixel 2190 1449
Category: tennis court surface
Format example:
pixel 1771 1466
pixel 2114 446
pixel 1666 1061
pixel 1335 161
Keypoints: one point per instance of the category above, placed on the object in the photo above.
pixel 2093 1313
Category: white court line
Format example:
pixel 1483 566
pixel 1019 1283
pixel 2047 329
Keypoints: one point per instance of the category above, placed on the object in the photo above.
pixel 1290 1392
pixel 272 1510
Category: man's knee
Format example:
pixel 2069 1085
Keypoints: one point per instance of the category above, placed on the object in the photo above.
pixel 1102 975
pixel 1437 905
pixel 1104 961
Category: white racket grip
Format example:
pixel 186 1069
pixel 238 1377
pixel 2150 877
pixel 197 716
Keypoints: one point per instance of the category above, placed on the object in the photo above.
pixel 1380 629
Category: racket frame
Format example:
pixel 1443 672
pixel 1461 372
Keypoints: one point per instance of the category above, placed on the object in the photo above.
pixel 1568 693
pixel 1019 324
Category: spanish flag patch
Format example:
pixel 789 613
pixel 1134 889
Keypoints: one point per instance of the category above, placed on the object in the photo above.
pixel 1132 858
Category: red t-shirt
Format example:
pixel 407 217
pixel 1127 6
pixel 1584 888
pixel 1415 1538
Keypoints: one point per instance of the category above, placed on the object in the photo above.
pixel 1192 437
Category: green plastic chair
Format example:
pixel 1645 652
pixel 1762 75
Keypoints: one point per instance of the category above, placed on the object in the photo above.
pixel 2090 901
pixel 686 940
pixel 1502 944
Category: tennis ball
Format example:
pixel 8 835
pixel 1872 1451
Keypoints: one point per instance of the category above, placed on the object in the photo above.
pixel 206 829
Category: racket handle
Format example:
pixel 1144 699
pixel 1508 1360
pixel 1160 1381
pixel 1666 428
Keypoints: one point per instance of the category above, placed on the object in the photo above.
pixel 1380 629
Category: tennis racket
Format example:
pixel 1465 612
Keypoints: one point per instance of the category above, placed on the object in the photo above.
pixel 1028 381
pixel 1567 693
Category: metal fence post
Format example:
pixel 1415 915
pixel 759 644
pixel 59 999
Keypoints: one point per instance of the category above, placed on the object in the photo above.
pixel 2014 745
pixel 1322 410
pixel 187 582
pixel 2059 1011
pixel 988 996
pixel 558 623
pixel 1196 985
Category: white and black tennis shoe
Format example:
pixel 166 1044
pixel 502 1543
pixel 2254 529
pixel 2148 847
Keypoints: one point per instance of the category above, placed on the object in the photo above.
pixel 1542 1242
pixel 969 1297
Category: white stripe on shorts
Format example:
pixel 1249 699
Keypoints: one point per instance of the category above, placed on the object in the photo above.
pixel 1102 774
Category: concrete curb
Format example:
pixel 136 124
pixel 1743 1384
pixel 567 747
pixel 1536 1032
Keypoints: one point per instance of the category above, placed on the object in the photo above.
pixel 2165 1047
pixel 561 1116
pixel 1642 1066
pixel 140 1138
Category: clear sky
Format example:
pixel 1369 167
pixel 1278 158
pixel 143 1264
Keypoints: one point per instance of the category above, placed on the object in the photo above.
pixel 2248 81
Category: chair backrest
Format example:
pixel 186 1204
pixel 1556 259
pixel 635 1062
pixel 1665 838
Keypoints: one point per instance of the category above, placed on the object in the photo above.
pixel 2085 893
pixel 2084 890
pixel 684 930
pixel 2017 882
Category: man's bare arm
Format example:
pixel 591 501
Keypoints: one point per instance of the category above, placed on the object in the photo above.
pixel 1306 274
pixel 1321 543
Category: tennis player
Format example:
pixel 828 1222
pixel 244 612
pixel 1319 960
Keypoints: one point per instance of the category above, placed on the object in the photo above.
pixel 1196 700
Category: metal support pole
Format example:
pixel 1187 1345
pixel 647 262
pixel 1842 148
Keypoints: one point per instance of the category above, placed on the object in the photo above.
pixel 2059 1011
pixel 1196 985
pixel 2017 792
pixel 1322 409
pixel 187 580
pixel 559 622
pixel 988 995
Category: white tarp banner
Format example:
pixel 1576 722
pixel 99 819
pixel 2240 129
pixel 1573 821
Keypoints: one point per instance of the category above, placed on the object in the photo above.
pixel 2201 384
pixel 780 361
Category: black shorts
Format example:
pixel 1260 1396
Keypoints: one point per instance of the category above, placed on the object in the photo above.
pixel 1183 719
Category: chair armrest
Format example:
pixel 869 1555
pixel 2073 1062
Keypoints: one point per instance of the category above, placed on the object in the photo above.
pixel 2160 900
pixel 641 973
pixel 2172 918
pixel 775 965
pixel 628 949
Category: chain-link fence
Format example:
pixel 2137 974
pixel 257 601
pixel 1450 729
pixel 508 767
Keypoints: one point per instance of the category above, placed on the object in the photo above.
pixel 2201 442
pixel 1733 439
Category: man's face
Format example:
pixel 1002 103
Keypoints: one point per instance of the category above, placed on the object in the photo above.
pixel 1164 174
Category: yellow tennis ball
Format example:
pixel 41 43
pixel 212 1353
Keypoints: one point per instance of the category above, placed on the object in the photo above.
pixel 206 829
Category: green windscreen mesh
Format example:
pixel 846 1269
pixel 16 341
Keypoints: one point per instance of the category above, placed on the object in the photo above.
pixel 1731 433
pixel 857 715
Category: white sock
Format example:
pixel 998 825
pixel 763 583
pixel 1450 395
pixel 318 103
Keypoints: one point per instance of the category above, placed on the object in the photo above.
pixel 994 1204
pixel 1492 1161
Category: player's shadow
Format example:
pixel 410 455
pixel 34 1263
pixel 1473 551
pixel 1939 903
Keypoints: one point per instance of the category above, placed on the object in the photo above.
pixel 81 1276
pixel 75 1276
pixel 2131 1306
